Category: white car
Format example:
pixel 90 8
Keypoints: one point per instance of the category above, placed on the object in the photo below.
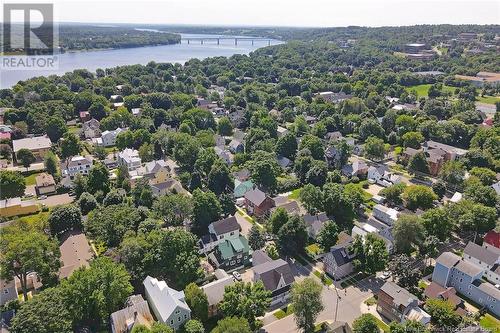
pixel 42 197
pixel 237 276
pixel 385 275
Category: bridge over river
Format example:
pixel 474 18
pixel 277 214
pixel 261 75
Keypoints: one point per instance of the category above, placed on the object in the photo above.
pixel 217 40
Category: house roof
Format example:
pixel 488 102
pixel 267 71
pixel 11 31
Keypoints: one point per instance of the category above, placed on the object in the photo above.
pixel 37 142
pixel 79 160
pixel 271 272
pixel 215 289
pixel 137 313
pixel 256 196
pixel 240 188
pixel 434 290
pixel 468 268
pixel 75 253
pixel 400 295
pixel 291 207
pixel 481 253
pixel 259 257
pixel 341 255
pixel 164 298
pixel 226 225
pixel 447 148
pixel 493 238
pixel 230 247
pixel 44 179
pixel 448 259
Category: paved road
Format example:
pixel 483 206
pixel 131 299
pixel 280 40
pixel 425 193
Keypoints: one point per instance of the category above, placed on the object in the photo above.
pixel 349 306
pixel 244 224
pixel 58 199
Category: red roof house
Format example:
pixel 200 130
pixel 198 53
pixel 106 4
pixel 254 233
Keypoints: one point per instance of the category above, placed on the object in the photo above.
pixel 493 238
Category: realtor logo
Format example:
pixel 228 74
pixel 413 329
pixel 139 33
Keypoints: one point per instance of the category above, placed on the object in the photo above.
pixel 29 36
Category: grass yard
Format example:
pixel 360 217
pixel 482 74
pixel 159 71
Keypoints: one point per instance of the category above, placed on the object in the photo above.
pixel 423 89
pixel 30 180
pixel 323 277
pixel 489 322
pixel 371 301
pixel 295 194
pixel 488 99
pixel 383 326
pixel 313 249
pixel 282 313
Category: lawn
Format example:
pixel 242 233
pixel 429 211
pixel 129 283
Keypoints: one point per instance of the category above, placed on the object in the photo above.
pixel 383 326
pixel 423 89
pixel 489 322
pixel 488 99
pixel 313 249
pixel 282 313
pixel 324 278
pixel 30 180
pixel 295 194
pixel 371 301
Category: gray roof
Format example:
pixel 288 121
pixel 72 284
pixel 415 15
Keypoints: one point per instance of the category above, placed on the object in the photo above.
pixel 215 289
pixel 37 142
pixel 341 255
pixel 259 257
pixel 165 299
pixel 468 268
pixel 271 272
pixel 121 318
pixel 400 295
pixel 481 253
pixel 448 259
pixel 256 196
pixel 226 225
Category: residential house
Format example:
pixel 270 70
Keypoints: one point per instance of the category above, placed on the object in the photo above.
pixel 17 207
pixel 45 184
pixel 492 240
pixel 231 253
pixel 385 214
pixel 236 146
pixel 129 158
pixel 338 261
pixel 108 138
pixel 224 154
pixel 219 231
pixel 135 313
pixel 468 279
pixel 168 305
pixel 215 291
pixel 242 175
pixel 314 223
pixel 333 136
pixel 334 97
pixel 136 112
pixel 84 116
pixel 486 258
pixel 257 203
pixel 283 161
pixel 436 155
pixel 78 165
pixel 451 153
pixel 75 253
pixel 398 304
pixel 241 188
pixel 90 129
pixel 358 168
pixel 9 291
pixel 434 290
pixel 38 145
pixel 171 185
pixel 332 157
pixel 282 131
pixel 277 277
pixel 290 206
pixel 381 176
pixel 374 226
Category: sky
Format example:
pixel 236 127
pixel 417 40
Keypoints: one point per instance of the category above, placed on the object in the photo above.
pixel 301 13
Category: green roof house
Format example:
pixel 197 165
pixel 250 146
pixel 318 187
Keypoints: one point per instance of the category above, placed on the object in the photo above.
pixel 231 253
pixel 240 188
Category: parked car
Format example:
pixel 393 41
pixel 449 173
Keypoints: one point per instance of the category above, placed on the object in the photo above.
pixel 237 276
pixel 385 275
pixel 42 197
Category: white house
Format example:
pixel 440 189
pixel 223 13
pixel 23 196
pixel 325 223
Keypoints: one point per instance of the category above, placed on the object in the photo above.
pixel 168 305
pixel 385 214
pixel 381 175
pixel 218 232
pixel 108 138
pixel 130 158
pixel 78 164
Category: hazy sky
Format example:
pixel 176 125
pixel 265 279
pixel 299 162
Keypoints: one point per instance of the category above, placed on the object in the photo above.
pixel 280 12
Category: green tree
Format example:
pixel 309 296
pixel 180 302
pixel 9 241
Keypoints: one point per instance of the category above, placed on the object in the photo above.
pixel 314 145
pixel 287 146
pixel 468 215
pixel 12 184
pixel 232 325
pixel 174 209
pixel 328 235
pixel 408 231
pixel 278 219
pixel 132 252
pixel 55 128
pixel 408 326
pixel 197 301
pixel 442 313
pixel 79 185
pixel 412 139
pixel 393 193
pixel 96 292
pixel 64 218
pixel 70 145
pixel 487 176
pixel 370 128
pixel 98 179
pixel 453 173
pixel 401 268
pixel 439 188
pixel 371 254
pixel 374 148
pixel 114 197
pixel 307 303
pixel 224 127
pixel 142 193
pixel 219 178
pixel 312 198
pixel 87 203
pixel 47 312
pixel 52 164
pixel 418 196
pixel 255 238
pixel 477 192
pixel 418 163
pixel 366 323
pixel 292 236
pixel 206 209
pixel 26 250
pixel 158 327
pixel 437 223
pixel 26 157
pixel 194 326
pixel 245 300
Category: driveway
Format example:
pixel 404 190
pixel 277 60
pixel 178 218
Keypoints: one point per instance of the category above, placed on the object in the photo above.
pixel 58 199
pixel 244 224
pixel 349 307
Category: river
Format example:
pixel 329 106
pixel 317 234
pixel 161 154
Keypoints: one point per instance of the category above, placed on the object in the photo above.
pixel 177 53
